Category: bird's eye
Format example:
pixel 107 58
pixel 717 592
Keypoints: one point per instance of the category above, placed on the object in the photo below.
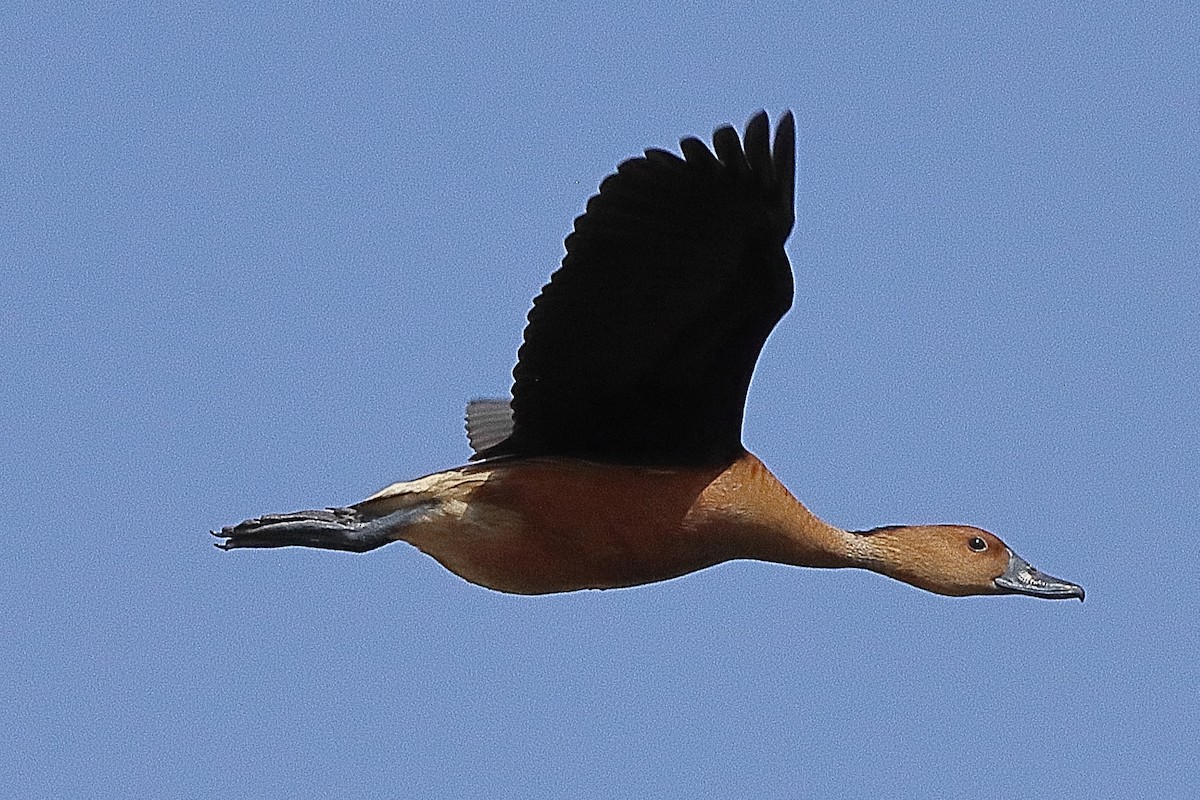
pixel 977 544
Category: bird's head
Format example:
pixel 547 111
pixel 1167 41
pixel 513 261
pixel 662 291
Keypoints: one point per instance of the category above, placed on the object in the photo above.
pixel 957 560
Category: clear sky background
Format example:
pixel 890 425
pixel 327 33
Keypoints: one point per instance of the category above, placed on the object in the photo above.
pixel 257 259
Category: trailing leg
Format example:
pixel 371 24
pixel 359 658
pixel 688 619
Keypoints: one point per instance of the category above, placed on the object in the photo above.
pixel 329 529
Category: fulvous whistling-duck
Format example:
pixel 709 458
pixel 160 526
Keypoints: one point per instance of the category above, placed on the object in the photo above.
pixel 619 460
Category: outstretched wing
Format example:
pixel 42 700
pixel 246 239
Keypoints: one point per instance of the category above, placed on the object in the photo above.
pixel 640 348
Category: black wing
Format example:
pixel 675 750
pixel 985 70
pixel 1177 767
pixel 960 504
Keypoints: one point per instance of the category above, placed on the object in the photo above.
pixel 641 347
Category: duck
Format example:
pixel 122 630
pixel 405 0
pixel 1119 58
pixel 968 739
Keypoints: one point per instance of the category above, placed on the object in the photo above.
pixel 618 459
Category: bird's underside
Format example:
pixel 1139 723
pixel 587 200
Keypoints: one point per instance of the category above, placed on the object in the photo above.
pixel 541 525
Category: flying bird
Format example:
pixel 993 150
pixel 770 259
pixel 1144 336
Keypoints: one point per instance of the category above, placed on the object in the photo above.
pixel 619 459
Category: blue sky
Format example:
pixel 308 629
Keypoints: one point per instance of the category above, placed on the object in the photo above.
pixel 257 259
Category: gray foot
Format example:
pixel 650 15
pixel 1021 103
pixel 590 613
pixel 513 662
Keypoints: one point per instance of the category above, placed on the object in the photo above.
pixel 328 529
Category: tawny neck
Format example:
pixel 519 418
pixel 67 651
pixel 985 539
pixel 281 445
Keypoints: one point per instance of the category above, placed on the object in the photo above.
pixel 773 525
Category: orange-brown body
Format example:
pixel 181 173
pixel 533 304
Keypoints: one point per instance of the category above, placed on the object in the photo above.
pixel 546 525
pixel 554 525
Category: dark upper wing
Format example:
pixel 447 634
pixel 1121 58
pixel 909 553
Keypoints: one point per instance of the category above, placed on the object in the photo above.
pixel 641 347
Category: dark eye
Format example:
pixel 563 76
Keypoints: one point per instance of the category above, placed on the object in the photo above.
pixel 977 544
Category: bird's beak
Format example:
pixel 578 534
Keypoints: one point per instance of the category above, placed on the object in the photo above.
pixel 1021 578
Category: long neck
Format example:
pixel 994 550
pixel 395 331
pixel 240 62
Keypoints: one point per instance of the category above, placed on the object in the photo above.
pixel 775 526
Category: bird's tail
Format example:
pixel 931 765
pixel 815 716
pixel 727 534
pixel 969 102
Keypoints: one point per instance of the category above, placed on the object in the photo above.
pixel 392 514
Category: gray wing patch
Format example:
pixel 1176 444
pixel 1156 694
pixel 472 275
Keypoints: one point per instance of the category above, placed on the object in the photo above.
pixel 489 422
